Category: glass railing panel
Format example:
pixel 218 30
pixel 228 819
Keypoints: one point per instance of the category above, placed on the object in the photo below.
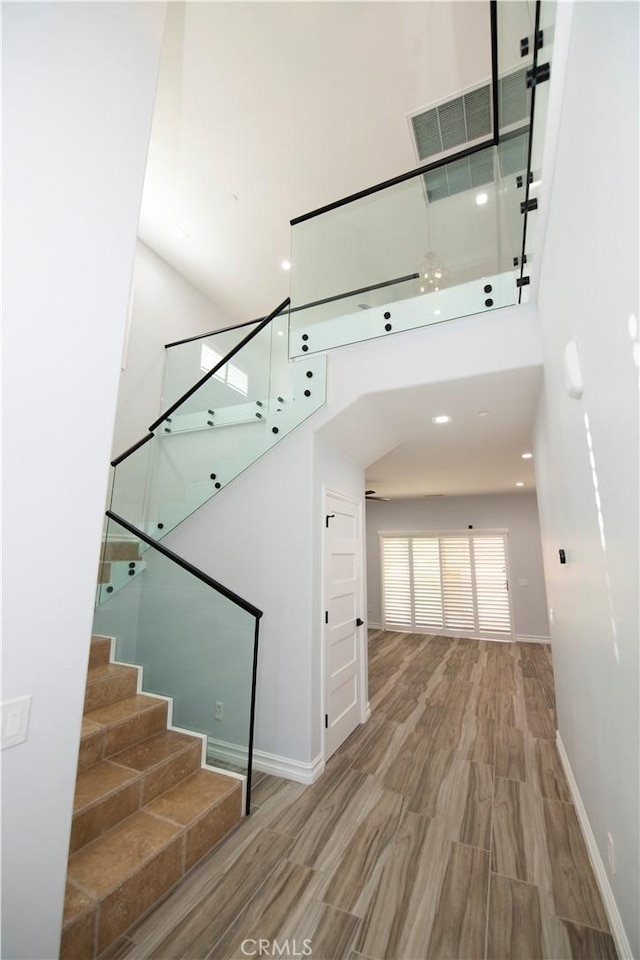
pixel 186 362
pixel 202 446
pixel 444 234
pixel 546 33
pixel 236 392
pixel 515 23
pixel 195 645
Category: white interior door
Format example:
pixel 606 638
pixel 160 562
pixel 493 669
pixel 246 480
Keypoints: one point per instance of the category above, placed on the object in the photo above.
pixel 343 626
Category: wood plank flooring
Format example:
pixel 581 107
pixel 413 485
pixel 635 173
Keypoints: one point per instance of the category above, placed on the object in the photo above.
pixel 443 828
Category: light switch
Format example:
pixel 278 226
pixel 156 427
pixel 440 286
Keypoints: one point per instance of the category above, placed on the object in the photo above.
pixel 15 720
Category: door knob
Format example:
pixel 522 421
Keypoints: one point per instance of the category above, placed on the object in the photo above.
pixel 359 622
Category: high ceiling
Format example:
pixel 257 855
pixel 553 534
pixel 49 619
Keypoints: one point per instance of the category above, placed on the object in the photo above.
pixel 267 110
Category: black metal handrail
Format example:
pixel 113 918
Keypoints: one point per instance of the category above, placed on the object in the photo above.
pixel 303 306
pixel 211 333
pixel 196 386
pixel 401 178
pixel 189 567
pixel 493 141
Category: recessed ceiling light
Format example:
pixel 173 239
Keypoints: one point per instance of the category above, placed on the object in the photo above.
pixel 181 234
pixel 482 413
pixel 437 313
pixel 519 483
pixel 526 456
pixel 442 418
pixel 286 265
pixel 482 198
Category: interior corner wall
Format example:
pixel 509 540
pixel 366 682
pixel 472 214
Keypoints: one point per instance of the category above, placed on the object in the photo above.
pixel 517 512
pixel 77 101
pixel 586 449
pixel 164 307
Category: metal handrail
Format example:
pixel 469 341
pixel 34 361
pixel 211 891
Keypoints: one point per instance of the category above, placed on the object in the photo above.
pixel 196 386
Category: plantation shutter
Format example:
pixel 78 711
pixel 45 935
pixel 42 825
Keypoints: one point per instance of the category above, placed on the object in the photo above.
pixel 397 581
pixel 455 584
pixel 457 589
pixel 427 603
pixel 492 598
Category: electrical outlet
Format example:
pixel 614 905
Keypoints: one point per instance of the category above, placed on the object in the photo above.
pixel 219 710
pixel 611 853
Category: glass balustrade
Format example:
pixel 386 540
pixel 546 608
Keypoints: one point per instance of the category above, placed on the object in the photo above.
pixel 187 360
pixel 234 414
pixel 430 248
pixel 196 643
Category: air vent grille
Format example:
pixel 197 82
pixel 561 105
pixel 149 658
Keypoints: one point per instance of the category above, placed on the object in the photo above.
pixel 467 118
pixel 474 171
pixel 512 152
pixel 453 123
pixel 513 98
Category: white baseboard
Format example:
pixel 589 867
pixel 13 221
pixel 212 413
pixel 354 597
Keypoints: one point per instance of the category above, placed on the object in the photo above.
pixel 270 763
pixel 289 769
pixel 524 638
pixel 618 932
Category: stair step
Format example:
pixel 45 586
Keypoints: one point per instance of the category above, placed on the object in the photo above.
pixel 92 739
pixel 120 550
pixel 128 721
pixel 162 760
pixel 105 795
pixel 207 804
pixel 100 650
pixel 78 924
pixel 107 683
pixel 126 871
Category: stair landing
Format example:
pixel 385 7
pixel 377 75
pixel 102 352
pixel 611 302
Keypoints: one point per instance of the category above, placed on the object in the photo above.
pixel 145 810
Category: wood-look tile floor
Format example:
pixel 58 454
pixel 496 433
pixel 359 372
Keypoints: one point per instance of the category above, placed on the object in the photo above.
pixel 442 828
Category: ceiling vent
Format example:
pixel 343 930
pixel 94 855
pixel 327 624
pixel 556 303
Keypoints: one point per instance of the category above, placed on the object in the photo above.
pixel 459 122
pixel 453 124
pixel 467 120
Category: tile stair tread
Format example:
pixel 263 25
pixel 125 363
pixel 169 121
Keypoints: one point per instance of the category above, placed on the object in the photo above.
pixel 154 751
pixel 101 866
pixel 123 709
pixel 76 903
pixel 105 670
pixel 191 798
pixel 99 782
pixel 89 727
pixel 100 650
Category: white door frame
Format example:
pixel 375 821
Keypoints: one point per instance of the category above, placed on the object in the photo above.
pixel 362 638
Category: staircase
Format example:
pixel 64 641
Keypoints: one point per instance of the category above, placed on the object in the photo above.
pixel 145 811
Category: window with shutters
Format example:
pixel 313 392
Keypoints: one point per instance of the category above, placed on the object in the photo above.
pixel 453 584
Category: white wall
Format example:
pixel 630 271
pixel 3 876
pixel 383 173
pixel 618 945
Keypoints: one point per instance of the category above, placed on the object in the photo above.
pixel 78 90
pixel 165 307
pixel 513 511
pixel 588 482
